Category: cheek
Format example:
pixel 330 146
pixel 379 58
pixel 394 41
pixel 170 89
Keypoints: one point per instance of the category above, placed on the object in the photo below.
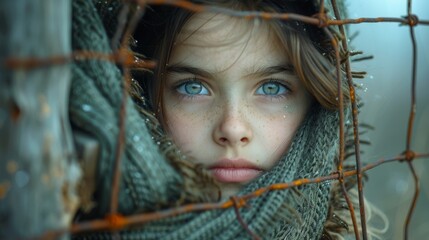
pixel 185 129
pixel 279 130
pixel 278 137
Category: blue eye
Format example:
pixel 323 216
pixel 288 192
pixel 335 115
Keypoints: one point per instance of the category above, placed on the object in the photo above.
pixel 192 88
pixel 271 89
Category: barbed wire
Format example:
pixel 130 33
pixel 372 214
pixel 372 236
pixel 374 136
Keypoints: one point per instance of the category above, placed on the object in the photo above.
pixel 127 60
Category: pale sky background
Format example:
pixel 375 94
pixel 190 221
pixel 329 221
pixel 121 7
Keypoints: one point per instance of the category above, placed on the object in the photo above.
pixel 387 94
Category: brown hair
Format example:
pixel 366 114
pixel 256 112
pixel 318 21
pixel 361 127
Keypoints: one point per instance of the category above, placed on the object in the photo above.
pixel 307 46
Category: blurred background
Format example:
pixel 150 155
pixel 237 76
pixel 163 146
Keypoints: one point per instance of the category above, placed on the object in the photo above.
pixel 386 93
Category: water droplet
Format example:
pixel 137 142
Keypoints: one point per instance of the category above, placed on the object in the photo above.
pixel 158 142
pixel 86 107
pixel 284 116
pixel 110 8
pixel 336 99
pixel 136 138
pixel 371 77
pixel 147 120
pixel 139 149
pixel 21 178
pixel 366 89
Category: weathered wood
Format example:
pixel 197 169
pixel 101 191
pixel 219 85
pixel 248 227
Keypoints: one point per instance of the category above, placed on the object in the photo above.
pixel 38 172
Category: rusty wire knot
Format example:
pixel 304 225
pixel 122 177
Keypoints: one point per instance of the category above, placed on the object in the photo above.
pixel 340 175
pixel 116 221
pixel 323 19
pixel 238 202
pixel 413 20
pixel 409 155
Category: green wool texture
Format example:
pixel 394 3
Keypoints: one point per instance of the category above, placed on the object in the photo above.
pixel 149 180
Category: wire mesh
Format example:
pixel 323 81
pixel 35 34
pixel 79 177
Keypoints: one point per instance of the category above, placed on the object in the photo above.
pixel 127 60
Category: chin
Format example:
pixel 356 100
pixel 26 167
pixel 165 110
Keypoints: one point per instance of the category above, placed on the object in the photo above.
pixel 230 189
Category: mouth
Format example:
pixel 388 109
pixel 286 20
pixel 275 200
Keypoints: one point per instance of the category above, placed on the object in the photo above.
pixel 234 171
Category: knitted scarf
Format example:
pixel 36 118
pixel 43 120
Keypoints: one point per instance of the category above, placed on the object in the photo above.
pixel 151 180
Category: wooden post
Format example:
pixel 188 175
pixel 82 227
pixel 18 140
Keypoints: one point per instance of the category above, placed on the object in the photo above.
pixel 38 172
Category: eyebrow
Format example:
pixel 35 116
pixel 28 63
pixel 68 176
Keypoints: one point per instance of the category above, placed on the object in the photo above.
pixel 260 72
pixel 267 71
pixel 189 69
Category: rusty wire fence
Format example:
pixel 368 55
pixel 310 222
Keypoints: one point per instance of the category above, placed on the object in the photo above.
pixel 126 60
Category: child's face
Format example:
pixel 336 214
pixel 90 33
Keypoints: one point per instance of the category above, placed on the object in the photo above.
pixel 231 99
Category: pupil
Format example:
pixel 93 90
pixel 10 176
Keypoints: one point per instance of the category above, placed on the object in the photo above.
pixel 193 88
pixel 271 89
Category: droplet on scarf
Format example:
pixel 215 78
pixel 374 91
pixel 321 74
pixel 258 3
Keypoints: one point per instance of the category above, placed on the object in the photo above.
pixel 365 89
pixel 371 77
pixel 86 108
pixel 336 99
pixel 110 8
pixel 146 120
pixel 136 138
pixel 158 142
pixel 21 178
pixel 137 175
pixel 139 149
pixel 327 183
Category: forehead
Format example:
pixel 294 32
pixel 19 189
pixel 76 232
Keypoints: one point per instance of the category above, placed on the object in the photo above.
pixel 221 41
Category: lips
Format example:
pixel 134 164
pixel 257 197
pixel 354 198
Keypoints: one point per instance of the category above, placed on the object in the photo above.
pixel 234 171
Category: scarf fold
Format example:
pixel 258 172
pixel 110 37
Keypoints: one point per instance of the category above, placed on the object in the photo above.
pixel 150 180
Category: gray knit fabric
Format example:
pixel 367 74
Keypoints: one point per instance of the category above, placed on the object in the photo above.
pixel 149 180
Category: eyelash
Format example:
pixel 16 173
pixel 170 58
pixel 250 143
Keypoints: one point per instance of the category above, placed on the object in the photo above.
pixel 184 94
pixel 280 83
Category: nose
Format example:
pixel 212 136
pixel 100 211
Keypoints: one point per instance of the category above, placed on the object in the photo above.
pixel 232 129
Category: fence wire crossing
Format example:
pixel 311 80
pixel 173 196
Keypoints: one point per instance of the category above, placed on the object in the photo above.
pixel 126 60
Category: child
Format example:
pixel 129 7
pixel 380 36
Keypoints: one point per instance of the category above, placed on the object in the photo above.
pixel 232 93
pixel 254 103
